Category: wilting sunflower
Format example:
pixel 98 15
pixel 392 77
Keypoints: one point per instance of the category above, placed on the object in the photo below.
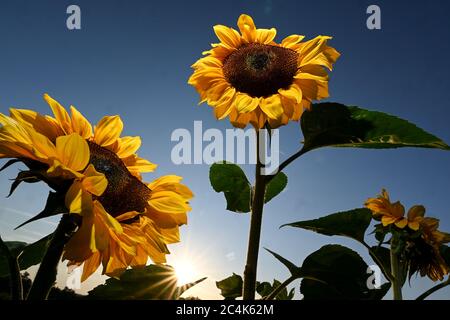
pixel 248 77
pixel 423 253
pixel 123 220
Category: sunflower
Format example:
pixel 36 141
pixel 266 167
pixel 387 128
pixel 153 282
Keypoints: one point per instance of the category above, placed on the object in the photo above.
pixel 250 78
pixel 123 220
pixel 423 253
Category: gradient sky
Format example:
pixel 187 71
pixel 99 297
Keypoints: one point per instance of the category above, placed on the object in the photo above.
pixel 133 58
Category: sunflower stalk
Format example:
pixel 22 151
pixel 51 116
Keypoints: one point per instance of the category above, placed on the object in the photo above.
pixel 255 228
pixel 46 275
pixel 395 269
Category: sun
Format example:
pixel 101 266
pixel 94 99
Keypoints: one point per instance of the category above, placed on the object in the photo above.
pixel 185 271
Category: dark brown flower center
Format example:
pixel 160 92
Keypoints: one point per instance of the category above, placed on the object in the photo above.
pixel 125 192
pixel 260 70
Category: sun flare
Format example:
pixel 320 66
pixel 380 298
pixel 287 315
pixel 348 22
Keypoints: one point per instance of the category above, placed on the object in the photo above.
pixel 185 271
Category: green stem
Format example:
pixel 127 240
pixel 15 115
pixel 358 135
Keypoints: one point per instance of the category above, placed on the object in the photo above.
pixel 433 289
pixel 255 229
pixel 46 275
pixel 395 271
pixel 278 289
pixel 14 273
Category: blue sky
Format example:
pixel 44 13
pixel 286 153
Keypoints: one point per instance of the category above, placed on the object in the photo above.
pixel 133 58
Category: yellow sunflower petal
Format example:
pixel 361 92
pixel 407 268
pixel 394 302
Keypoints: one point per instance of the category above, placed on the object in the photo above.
pixel 401 223
pixel 80 124
pixel 245 103
pixel 272 106
pixel 292 93
pixel 108 130
pixel 228 36
pixel 247 27
pixel 416 211
pixel 128 146
pixel 291 41
pixel 90 266
pixel 265 36
pixel 73 151
pixel 94 182
pixel 60 113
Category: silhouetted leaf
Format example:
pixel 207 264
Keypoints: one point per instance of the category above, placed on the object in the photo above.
pixel 147 283
pixel 352 224
pixel 23 176
pixel 293 269
pixel 337 125
pixel 265 288
pixel 231 180
pixel 231 287
pixel 275 186
pixel 341 272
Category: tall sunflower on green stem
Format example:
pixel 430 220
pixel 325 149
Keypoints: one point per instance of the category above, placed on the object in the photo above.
pixel 250 78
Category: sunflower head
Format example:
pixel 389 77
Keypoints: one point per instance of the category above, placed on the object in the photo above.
pixel 423 253
pixel 250 78
pixel 123 221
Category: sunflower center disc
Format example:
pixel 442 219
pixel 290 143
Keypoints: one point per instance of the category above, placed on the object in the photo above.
pixel 260 70
pixel 124 192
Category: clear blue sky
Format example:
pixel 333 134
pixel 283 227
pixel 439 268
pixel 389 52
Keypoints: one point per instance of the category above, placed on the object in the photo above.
pixel 133 58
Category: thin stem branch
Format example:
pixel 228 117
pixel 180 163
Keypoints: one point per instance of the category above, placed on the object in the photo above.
pixel 434 289
pixel 46 275
pixel 14 273
pixel 288 161
pixel 255 229
pixel 278 289
pixel 395 270
pixel 387 273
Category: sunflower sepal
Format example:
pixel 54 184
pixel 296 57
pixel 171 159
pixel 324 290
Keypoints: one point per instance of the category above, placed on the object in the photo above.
pixel 23 176
pixel 54 205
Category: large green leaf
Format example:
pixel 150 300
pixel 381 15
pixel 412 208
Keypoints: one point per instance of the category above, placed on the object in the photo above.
pixel 341 274
pixel 265 288
pixel 275 186
pixel 148 283
pixel 231 180
pixel 29 254
pixel 353 224
pixel 338 125
pixel 231 287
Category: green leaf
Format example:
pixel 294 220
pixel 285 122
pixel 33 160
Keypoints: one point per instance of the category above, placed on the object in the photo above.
pixel 147 283
pixel 265 288
pixel 352 224
pixel 275 186
pixel 340 273
pixel 29 254
pixel 55 205
pixel 337 125
pixel 231 287
pixel 231 180
pixel 293 269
